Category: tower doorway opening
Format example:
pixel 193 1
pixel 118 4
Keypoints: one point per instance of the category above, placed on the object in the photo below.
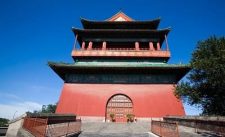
pixel 118 108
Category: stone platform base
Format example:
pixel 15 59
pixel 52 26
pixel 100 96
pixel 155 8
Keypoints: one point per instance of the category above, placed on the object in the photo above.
pixel 102 119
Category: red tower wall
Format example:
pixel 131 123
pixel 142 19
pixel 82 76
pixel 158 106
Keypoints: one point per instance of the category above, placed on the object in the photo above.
pixel 149 100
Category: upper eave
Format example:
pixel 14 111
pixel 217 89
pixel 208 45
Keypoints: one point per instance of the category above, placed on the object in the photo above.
pixel 120 33
pixel 149 24
pixel 146 31
pixel 63 68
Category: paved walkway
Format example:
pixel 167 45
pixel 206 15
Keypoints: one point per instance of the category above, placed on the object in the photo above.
pixel 191 132
pixel 116 130
pixel 139 129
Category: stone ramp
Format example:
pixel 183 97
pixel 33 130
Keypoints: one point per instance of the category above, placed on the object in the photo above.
pixel 95 129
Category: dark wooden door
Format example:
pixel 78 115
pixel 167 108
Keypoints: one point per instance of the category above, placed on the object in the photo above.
pixel 119 106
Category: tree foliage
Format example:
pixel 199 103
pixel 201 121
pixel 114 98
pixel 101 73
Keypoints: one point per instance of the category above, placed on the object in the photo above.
pixel 205 84
pixel 3 122
pixel 50 108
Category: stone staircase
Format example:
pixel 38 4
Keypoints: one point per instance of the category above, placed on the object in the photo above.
pixel 95 129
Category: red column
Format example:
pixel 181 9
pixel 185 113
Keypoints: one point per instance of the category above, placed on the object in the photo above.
pixel 137 46
pixel 158 46
pixel 83 45
pixel 151 47
pixel 90 45
pixel 104 45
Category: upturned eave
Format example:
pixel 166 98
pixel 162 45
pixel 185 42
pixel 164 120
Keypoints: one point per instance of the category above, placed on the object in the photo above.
pixel 148 24
pixel 180 70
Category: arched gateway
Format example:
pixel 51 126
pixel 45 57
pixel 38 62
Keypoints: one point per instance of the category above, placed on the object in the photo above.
pixel 118 106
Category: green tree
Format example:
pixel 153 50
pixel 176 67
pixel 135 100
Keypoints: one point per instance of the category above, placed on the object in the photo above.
pixel 3 122
pixel 50 108
pixel 205 84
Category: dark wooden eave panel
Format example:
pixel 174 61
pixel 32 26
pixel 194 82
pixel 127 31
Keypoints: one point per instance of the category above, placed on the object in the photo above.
pixel 63 69
pixel 104 35
pixel 150 24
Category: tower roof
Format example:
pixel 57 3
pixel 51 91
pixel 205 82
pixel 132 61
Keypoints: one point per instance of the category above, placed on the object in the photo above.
pixel 120 45
pixel 120 21
pixel 121 33
pixel 148 24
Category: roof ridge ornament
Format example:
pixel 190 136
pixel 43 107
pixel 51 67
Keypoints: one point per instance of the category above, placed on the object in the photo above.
pixel 120 16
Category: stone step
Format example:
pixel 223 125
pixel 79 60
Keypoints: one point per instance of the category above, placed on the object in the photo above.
pixel 95 129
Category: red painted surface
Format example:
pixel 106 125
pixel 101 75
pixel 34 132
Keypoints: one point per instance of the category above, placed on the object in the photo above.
pixel 120 53
pixel 149 100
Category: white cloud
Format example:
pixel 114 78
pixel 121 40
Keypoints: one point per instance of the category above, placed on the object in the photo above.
pixel 12 104
pixel 16 109
pixel 10 96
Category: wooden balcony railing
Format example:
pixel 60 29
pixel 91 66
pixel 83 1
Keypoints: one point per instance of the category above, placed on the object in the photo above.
pixel 117 49
pixel 123 52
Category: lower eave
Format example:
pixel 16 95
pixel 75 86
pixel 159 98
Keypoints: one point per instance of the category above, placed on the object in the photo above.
pixel 62 69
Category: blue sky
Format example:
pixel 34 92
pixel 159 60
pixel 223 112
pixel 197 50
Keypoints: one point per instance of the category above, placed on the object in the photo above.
pixel 35 32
